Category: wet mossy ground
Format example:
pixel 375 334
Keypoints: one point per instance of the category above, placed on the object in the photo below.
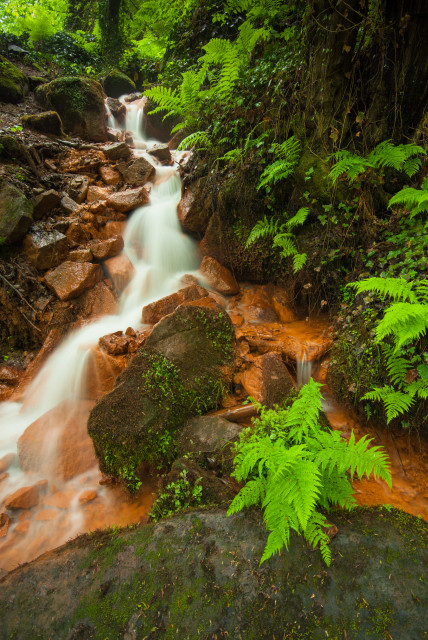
pixel 197 575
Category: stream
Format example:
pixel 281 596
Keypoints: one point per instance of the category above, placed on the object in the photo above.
pixel 47 427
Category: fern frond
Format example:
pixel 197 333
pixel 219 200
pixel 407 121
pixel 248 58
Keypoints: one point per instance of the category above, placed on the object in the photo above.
pixel 421 290
pixel 406 321
pixel 302 417
pixel 195 139
pixel 315 536
pixel 262 229
pixel 347 163
pixel 253 493
pixel 395 402
pixel 387 154
pixel 298 219
pixel 299 261
pixel 416 200
pixel 288 153
pixel 395 288
pixel 166 98
pixel 287 244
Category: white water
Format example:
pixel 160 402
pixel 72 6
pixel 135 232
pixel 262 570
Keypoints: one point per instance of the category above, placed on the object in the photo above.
pixel 160 254
pixel 304 370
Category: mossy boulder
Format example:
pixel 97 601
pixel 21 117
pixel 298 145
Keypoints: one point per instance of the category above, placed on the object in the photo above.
pixel 47 122
pixel 80 105
pixel 197 575
pixel 13 83
pixel 117 84
pixel 181 372
pixel 9 147
pixel 16 214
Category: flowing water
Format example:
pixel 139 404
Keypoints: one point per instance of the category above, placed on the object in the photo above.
pixel 160 254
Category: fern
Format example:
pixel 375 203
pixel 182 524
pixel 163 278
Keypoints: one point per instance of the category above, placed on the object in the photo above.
pixel 262 229
pixel 291 466
pixel 403 157
pixel 416 200
pixel 287 154
pixel 405 321
pixel 195 140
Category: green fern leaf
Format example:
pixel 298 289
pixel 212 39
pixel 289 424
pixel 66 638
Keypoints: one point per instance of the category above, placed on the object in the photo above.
pixel 395 288
pixel 298 219
pixel 299 261
pixel 395 402
pixel 195 140
pixel 262 229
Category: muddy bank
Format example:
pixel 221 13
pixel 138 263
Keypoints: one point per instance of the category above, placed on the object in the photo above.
pixel 197 575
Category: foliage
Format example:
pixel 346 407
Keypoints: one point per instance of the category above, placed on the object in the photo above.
pixel 402 157
pixel 176 496
pixel 404 323
pixel 292 466
pixel 287 156
pixel 416 200
pixel 282 236
pixel 196 140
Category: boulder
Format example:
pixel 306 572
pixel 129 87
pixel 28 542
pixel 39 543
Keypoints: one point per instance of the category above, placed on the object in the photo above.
pixel 100 374
pixel 36 81
pixel 117 84
pixel 45 249
pixel 127 200
pixel 215 490
pixel 218 277
pixel 71 279
pixel 44 203
pixel 156 125
pixel 115 344
pixel 194 209
pixel 98 301
pixel 16 214
pixel 47 122
pixel 137 172
pixel 79 103
pixel 68 204
pixel 77 234
pixel 10 147
pixel 109 175
pixel 121 271
pixel 154 311
pixel 161 152
pixel 164 385
pixel 103 249
pixel 56 452
pixel 267 380
pixel 117 109
pixel 117 151
pixel 24 498
pixel 13 83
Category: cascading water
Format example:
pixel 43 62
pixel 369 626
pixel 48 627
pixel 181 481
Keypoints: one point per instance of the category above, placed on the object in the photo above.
pixel 160 254
pixel 304 369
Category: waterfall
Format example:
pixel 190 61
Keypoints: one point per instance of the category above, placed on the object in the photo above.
pixel 304 369
pixel 160 254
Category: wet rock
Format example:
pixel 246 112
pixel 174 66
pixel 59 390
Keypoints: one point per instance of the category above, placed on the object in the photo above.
pixel 117 109
pixel 3 476
pixel 215 490
pixel 46 515
pixel 115 344
pixel 98 301
pixel 68 204
pixel 80 255
pixel 44 203
pixel 36 81
pixel 102 370
pixel 139 409
pixel 154 311
pixel 46 249
pixel 7 461
pixel 80 104
pixel 161 152
pixel 47 122
pixel 128 200
pixel 156 125
pixel 87 496
pixel 87 161
pixel 193 210
pixel 57 453
pixel 16 214
pixel 97 193
pixel 218 277
pixel 109 175
pixel 4 524
pixel 103 249
pixel 137 172
pixel 117 151
pixel 24 498
pixel 10 374
pixel 77 234
pixel 61 499
pixel 13 83
pixel 282 304
pixel 209 439
pixel 113 228
pixel 71 279
pixel 117 84
pixel 78 188
pixel 121 270
pixel 114 135
pixel 51 342
pixel 267 380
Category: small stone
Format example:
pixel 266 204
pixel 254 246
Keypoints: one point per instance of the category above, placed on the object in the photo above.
pixel 71 279
pixel 138 172
pixel 87 496
pixel 121 271
pixel 103 249
pixel 24 498
pixel 9 374
pixel 80 255
pixel 109 175
pixel 45 249
pixel 154 311
pixel 127 200
pixel 218 277
pixel 22 527
pixel 161 152
pixel 4 524
pixel 68 204
pixel 60 499
pixel 45 203
pixel 114 345
pixel 116 151
pixel 78 188
pixel 97 193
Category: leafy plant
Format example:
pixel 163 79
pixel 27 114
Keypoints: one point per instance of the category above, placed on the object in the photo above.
pixel 292 467
pixel 402 157
pixel 282 236
pixel 416 200
pixel 405 321
pixel 176 496
pixel 287 156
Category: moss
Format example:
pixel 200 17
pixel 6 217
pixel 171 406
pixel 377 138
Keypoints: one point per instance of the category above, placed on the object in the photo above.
pixel 13 83
pixel 116 84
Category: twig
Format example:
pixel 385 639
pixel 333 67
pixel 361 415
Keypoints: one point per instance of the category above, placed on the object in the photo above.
pixel 9 284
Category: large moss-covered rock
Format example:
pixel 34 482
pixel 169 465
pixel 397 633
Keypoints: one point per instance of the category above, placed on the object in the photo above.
pixel 181 372
pixel 47 122
pixel 13 83
pixel 197 575
pixel 16 214
pixel 80 105
pixel 117 84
